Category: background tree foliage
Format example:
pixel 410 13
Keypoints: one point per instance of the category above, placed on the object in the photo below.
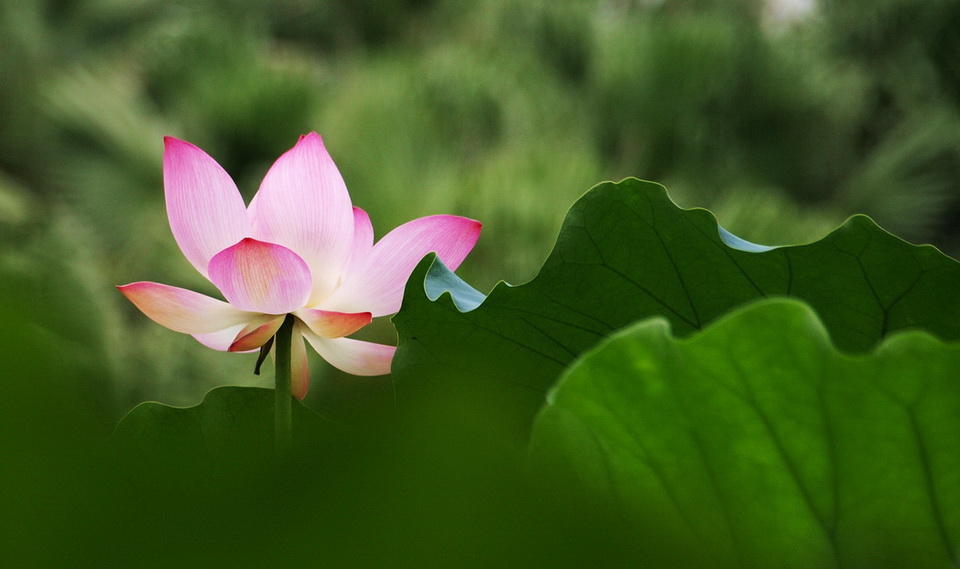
pixel 505 111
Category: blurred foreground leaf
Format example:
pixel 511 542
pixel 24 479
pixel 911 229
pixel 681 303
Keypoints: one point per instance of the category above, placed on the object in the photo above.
pixel 202 487
pixel 625 253
pixel 760 441
pixel 231 423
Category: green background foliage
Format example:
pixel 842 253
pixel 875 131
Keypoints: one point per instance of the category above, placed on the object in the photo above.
pixel 504 111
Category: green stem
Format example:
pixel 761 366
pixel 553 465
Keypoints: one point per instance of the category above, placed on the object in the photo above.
pixel 283 408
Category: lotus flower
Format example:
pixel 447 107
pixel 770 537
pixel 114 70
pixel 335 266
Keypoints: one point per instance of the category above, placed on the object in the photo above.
pixel 300 248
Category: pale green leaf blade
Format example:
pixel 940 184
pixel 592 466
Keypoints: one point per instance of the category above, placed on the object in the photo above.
pixel 762 443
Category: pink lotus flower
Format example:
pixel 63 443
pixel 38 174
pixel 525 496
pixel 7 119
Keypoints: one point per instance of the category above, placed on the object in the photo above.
pixel 300 248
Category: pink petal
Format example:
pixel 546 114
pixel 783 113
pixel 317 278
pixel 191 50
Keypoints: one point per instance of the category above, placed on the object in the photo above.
pixel 205 209
pixel 376 283
pixel 261 277
pixel 303 204
pixel 183 310
pixel 329 324
pixel 362 239
pixel 299 368
pixel 353 356
pixel 222 339
pixel 256 334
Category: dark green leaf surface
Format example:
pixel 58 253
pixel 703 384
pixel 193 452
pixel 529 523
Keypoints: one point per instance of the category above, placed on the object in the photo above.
pixel 232 424
pixel 625 253
pixel 760 441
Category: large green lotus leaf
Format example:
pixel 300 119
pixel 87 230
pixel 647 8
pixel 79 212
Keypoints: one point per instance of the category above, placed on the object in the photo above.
pixel 626 252
pixel 761 442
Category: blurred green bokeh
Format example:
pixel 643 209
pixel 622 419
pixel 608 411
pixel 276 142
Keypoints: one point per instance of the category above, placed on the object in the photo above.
pixel 503 110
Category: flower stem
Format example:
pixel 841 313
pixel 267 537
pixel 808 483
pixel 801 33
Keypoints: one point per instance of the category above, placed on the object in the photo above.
pixel 283 408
